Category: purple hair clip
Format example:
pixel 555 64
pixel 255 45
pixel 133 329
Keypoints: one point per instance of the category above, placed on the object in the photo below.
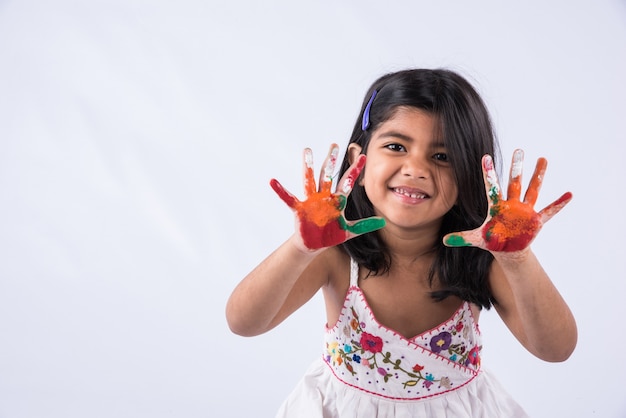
pixel 365 122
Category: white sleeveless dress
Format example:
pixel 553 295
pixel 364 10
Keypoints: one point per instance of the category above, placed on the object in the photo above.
pixel 368 370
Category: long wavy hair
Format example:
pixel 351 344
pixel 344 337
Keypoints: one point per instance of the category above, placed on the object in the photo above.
pixel 466 129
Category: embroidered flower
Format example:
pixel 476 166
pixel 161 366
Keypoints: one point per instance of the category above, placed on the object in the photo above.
pixel 473 357
pixel 354 324
pixel 466 331
pixel 332 348
pixel 445 382
pixel 459 326
pixel 418 368
pixel 346 331
pixel 441 342
pixel 371 343
pixel 428 382
pixel 333 351
pixel 359 347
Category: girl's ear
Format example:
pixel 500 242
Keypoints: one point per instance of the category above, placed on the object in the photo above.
pixel 353 152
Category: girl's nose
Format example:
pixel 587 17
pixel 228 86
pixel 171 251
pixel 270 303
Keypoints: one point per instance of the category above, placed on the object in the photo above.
pixel 416 167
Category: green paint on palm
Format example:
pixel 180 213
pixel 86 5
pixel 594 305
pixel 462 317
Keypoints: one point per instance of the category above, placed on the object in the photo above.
pixel 457 241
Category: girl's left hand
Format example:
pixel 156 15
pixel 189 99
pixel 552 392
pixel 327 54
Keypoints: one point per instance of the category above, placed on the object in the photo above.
pixel 511 225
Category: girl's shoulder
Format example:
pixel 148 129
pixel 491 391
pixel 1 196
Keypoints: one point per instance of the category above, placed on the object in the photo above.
pixel 334 262
pixel 331 269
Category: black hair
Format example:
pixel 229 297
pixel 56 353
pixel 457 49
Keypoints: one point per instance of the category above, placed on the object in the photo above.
pixel 466 129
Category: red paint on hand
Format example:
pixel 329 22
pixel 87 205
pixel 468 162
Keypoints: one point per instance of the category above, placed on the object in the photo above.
pixel 512 224
pixel 327 235
pixel 320 215
pixel 320 208
pixel 512 228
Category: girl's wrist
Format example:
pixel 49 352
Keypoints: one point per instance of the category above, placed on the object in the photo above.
pixel 513 259
pixel 298 245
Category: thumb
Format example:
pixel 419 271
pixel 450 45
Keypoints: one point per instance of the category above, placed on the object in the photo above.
pixel 463 239
pixel 364 226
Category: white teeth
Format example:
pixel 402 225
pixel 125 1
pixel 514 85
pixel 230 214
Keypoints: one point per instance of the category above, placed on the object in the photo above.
pixel 411 195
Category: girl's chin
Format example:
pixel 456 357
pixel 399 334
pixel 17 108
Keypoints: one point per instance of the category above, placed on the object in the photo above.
pixel 412 224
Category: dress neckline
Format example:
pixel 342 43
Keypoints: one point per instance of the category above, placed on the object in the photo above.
pixel 354 286
pixel 451 319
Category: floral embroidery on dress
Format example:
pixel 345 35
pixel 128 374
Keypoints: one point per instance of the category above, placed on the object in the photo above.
pixel 365 355
pixel 457 352
pixel 368 351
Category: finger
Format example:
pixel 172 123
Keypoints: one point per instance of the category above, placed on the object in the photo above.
pixel 536 181
pixel 349 178
pixel 286 197
pixel 309 176
pixel 464 239
pixel 555 207
pixel 363 226
pixel 492 186
pixel 515 176
pixel 326 174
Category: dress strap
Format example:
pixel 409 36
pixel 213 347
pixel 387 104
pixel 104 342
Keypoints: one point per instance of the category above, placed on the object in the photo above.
pixel 354 273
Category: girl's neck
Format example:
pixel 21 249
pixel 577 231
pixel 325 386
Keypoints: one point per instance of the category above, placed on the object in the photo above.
pixel 406 247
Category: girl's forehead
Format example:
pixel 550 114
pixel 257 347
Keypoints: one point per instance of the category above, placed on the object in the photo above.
pixel 400 112
pixel 408 114
pixel 410 124
pixel 408 120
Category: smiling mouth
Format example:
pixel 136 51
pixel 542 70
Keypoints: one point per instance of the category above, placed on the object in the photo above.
pixel 413 194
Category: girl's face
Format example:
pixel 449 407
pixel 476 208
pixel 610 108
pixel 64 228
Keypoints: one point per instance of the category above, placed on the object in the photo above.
pixel 407 175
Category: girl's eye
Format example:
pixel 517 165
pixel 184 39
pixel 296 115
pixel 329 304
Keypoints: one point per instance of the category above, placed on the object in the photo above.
pixel 441 157
pixel 395 147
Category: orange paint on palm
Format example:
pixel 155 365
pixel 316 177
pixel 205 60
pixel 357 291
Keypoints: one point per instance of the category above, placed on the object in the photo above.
pixel 316 206
pixel 318 211
pixel 512 228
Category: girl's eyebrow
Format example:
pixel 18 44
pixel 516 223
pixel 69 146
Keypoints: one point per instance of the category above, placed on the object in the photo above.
pixel 438 143
pixel 394 134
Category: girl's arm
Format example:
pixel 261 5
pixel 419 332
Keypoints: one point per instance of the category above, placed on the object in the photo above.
pixel 526 299
pixel 291 275
pixel 274 289
pixel 532 307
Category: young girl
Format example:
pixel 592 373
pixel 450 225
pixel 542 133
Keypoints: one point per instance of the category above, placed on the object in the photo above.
pixel 407 251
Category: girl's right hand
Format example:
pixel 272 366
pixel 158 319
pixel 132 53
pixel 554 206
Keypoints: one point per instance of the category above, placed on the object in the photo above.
pixel 320 219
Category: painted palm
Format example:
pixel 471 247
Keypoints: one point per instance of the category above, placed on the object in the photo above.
pixel 511 224
pixel 320 216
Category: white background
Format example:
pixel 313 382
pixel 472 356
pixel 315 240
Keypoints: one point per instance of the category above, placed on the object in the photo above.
pixel 137 140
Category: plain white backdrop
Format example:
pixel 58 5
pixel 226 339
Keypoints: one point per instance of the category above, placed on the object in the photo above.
pixel 137 140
